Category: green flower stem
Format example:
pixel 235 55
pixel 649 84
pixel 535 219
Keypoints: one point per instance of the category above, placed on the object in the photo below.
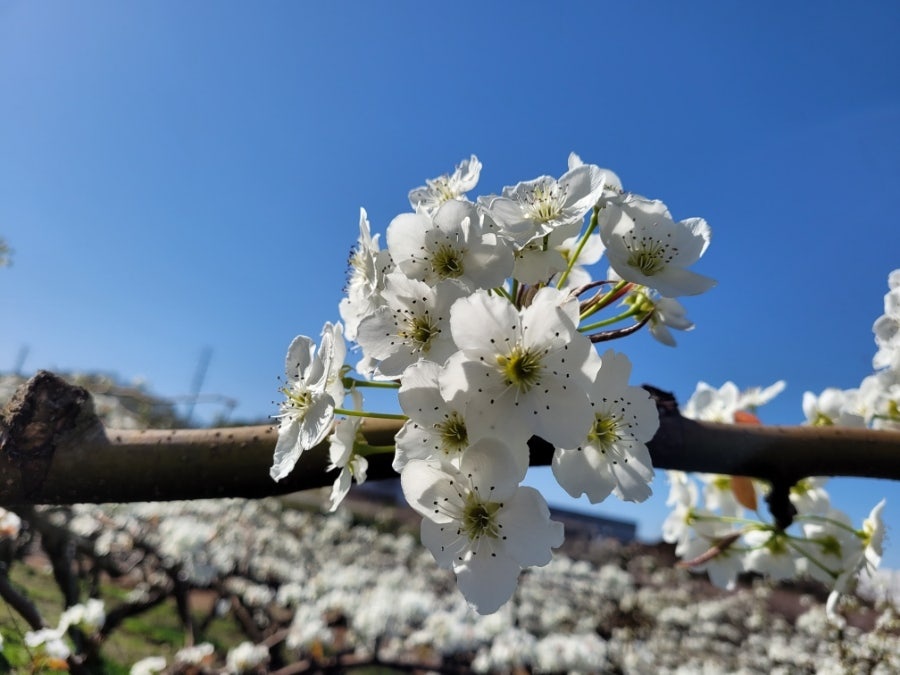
pixel 793 544
pixel 350 382
pixel 506 294
pixel 610 321
pixel 375 415
pixel 606 299
pixel 581 243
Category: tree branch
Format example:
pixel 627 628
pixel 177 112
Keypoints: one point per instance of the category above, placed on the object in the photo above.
pixel 53 450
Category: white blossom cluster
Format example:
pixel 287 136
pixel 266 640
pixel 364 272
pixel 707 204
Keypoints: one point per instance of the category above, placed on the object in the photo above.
pixel 876 402
pixel 483 315
pixel 717 525
pixel 620 611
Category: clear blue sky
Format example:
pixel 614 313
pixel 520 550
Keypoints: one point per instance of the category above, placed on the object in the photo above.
pixel 176 176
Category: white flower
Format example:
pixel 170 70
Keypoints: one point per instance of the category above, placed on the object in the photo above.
pixel 444 188
pixel 148 666
pixel 535 208
pixel 612 185
pixel 89 617
pixel 770 553
pixel 342 452
pixel 449 244
pixel 10 524
pixel 833 407
pixel 682 498
pixel 868 556
pixel 245 657
pixel 614 455
pixel 200 654
pixel 413 325
pixel 50 642
pixel 709 404
pixel 522 372
pixel 368 265
pixel 308 409
pixel 436 428
pixel 480 523
pixel 645 246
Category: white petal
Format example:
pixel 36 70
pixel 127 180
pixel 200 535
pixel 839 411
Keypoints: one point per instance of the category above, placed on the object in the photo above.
pixel 487 582
pixel 530 534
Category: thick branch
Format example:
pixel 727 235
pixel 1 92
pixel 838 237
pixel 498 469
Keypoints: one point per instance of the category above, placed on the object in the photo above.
pixel 80 461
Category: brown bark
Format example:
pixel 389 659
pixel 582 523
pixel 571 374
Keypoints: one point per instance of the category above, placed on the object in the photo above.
pixel 54 450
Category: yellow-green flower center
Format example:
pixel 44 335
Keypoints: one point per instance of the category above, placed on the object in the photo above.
pixel 447 262
pixel 480 518
pixel 648 258
pixel 420 330
pixel 822 420
pixel 454 437
pixel 297 400
pixel 544 203
pixel 605 431
pixel 521 368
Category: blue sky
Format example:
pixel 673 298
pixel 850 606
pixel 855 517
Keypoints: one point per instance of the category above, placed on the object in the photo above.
pixel 182 176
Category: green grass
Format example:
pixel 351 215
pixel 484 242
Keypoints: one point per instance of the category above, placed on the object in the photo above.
pixel 156 632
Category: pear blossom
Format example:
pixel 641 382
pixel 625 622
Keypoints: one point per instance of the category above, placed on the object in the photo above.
pixel 833 407
pixel 368 265
pixel 646 246
pixel 612 185
pixel 438 191
pixel 413 324
pixel 308 409
pixel 436 429
pixel 148 666
pixel 10 524
pixel 449 244
pixel 614 456
pixel 246 657
pixel 89 616
pixel 535 208
pixel 709 404
pixel 479 522
pixel 343 456
pixel 523 372
pixel 887 328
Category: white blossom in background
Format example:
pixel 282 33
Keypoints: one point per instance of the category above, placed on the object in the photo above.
pixel 438 191
pixel 89 617
pixel 10 524
pixel 523 372
pixel 833 407
pixel 49 642
pixel 479 522
pixel 308 409
pixel 613 457
pixel 198 655
pixel 887 328
pixel 246 657
pixel 646 246
pixel 148 666
pixel 709 404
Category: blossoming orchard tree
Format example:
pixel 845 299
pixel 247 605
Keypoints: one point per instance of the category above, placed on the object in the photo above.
pixel 487 318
